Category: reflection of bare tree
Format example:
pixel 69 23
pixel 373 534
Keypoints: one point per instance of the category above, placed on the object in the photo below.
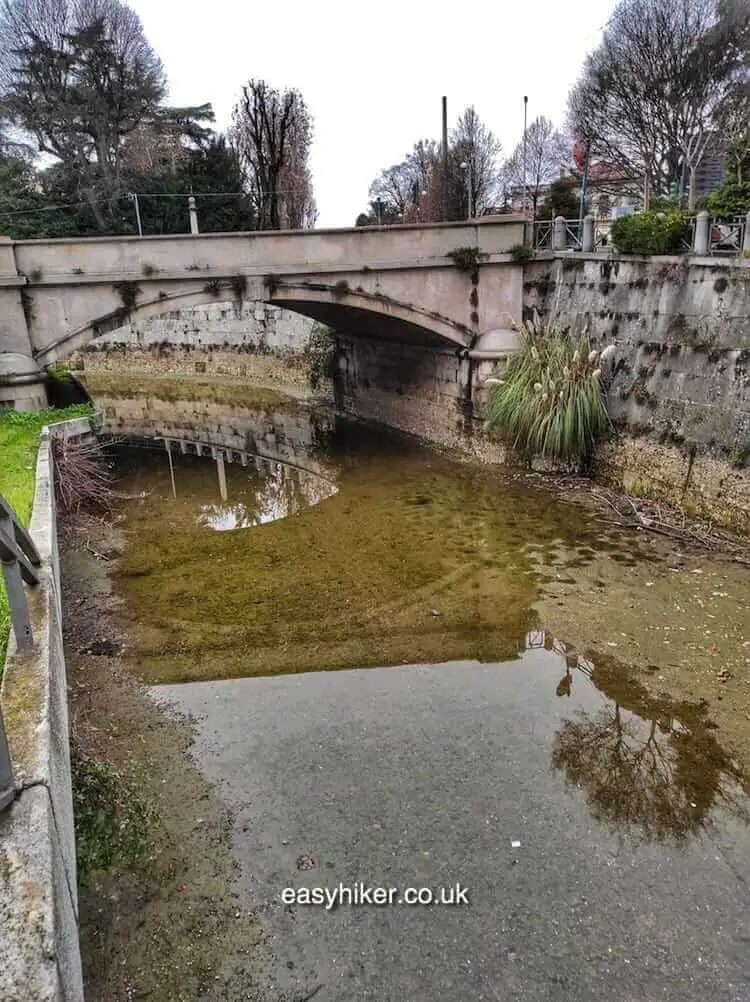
pixel 643 763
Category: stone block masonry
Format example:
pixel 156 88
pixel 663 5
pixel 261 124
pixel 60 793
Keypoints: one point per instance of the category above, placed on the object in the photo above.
pixel 680 396
pixel 682 332
pixel 255 327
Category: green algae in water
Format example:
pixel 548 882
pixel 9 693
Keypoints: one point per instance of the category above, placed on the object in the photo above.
pixel 415 558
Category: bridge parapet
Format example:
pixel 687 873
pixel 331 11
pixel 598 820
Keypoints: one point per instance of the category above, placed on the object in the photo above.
pixel 396 282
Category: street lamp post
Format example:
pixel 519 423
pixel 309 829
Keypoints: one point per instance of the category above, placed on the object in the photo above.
pixel 378 206
pixel 525 109
pixel 466 165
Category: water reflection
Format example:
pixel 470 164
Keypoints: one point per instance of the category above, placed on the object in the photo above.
pixel 267 464
pixel 649 765
pixel 283 491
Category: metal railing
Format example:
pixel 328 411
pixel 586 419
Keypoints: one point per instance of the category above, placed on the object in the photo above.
pixel 542 234
pixel 704 236
pixel 19 558
pixel 727 237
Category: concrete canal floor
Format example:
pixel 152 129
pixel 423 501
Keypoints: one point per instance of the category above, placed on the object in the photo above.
pixel 428 776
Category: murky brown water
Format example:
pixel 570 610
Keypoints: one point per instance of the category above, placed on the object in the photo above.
pixel 340 546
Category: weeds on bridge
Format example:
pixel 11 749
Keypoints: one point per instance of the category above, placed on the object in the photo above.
pixel 128 293
pixel 550 401
pixel 466 259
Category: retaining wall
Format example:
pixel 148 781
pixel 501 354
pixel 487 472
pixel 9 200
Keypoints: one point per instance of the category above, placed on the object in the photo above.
pixel 38 891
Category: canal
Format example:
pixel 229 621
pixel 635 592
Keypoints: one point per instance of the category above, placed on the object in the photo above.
pixel 402 670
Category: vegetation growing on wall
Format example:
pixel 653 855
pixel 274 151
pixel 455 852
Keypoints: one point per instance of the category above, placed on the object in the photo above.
pixel 320 355
pixel 652 233
pixel 521 253
pixel 550 401
pixel 128 293
pixel 466 259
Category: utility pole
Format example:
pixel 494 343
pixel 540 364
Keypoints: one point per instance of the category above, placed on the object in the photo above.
pixel 584 188
pixel 525 108
pixel 444 192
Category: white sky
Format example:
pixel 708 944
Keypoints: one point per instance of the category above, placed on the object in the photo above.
pixel 373 74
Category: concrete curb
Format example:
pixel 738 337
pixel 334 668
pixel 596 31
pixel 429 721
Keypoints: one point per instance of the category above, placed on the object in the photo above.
pixel 38 887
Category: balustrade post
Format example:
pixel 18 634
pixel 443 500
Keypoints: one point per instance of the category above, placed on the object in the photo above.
pixel 589 234
pixel 559 234
pixel 702 235
pixel 193 211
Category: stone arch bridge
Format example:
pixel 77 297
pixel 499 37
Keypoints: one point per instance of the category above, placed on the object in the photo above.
pixel 400 284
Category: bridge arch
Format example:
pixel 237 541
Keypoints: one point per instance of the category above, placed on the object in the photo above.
pixel 351 311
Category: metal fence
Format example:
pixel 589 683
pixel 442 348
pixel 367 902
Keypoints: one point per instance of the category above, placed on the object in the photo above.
pixel 725 238
pixel 20 559
pixel 728 237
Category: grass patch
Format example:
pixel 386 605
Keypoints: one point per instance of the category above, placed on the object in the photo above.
pixel 19 441
pixel 113 820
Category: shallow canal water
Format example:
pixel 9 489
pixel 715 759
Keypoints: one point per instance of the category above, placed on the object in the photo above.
pixel 349 547
pixel 514 729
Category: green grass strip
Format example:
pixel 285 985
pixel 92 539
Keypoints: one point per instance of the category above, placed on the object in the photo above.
pixel 20 432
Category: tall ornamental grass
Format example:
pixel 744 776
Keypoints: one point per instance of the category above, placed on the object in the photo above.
pixel 550 400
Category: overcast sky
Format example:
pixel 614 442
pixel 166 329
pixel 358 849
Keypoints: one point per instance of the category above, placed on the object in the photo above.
pixel 373 74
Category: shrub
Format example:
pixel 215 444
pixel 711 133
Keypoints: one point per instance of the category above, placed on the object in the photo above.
pixel 652 233
pixel 550 401
pixel 730 200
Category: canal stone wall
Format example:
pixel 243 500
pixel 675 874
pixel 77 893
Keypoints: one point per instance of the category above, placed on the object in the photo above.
pixel 680 394
pixel 38 882
pixel 251 326
pixel 681 327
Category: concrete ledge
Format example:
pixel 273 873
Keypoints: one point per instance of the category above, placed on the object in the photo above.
pixel 38 900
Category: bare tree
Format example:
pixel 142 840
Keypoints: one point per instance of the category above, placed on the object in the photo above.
pixel 474 157
pixel 652 92
pixel 400 187
pixel 412 189
pixel 295 182
pixel 546 152
pixel 272 132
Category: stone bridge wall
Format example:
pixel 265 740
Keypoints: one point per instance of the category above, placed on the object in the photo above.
pixel 255 327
